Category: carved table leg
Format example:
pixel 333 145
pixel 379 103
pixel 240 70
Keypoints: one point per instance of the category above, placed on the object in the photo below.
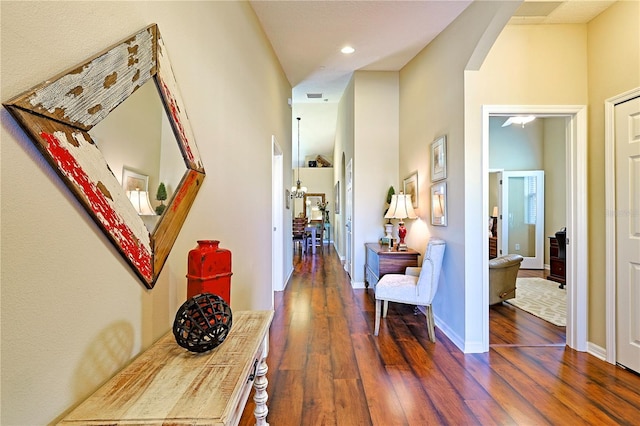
pixel 260 397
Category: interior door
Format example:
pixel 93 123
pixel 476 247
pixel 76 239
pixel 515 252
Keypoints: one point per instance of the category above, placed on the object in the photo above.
pixel 349 211
pixel 627 146
pixel 522 216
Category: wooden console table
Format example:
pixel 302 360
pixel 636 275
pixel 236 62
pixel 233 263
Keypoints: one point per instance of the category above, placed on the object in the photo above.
pixel 381 261
pixel 167 384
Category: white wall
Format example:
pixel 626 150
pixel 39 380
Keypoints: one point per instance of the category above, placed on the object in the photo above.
pixel 555 177
pixel 318 180
pixel 375 168
pixel 342 154
pixel 514 147
pixel 72 311
pixel 432 104
pixel 614 67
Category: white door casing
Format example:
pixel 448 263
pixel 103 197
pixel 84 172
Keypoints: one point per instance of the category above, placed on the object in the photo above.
pixel 577 218
pixel 277 218
pixel 349 214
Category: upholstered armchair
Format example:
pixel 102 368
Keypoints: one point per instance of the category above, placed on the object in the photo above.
pixel 503 272
pixel 417 286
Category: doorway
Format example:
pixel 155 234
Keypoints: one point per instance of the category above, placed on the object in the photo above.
pixel 348 217
pixel 277 219
pixel 576 213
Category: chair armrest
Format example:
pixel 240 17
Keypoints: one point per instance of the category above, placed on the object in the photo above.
pixel 505 261
pixel 413 270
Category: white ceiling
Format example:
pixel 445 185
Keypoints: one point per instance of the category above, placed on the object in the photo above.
pixel 307 37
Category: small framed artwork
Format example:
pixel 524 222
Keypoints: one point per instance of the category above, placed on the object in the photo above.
pixel 439 159
pixel 337 198
pixel 132 181
pixel 410 185
pixel 439 204
pixel 287 198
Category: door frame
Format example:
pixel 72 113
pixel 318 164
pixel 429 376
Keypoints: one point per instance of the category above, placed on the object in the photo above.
pixel 610 219
pixel 348 263
pixel 277 219
pixel 577 249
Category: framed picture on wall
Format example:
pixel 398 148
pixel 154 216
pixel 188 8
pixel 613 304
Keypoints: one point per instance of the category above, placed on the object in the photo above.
pixel 132 181
pixel 337 197
pixel 287 198
pixel 439 159
pixel 439 204
pixel 410 187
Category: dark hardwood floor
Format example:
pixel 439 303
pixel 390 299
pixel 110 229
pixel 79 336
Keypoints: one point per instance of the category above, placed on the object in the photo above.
pixel 510 326
pixel 327 368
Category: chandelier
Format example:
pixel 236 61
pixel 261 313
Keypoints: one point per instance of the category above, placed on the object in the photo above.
pixel 298 190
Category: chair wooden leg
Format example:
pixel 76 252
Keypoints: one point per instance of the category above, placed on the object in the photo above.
pixel 377 328
pixel 386 308
pixel 430 323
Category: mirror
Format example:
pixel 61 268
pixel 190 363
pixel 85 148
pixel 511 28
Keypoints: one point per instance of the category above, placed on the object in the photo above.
pixel 139 146
pixel 58 116
pixel 312 210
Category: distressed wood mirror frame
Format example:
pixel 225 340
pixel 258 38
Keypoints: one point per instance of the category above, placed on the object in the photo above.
pixel 57 116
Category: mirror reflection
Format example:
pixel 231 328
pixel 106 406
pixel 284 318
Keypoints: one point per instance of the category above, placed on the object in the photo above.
pixel 139 145
pixel 312 208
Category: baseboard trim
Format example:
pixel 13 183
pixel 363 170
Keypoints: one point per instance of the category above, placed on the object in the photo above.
pixel 597 351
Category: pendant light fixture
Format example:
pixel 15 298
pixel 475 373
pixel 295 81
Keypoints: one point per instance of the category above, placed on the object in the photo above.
pixel 298 191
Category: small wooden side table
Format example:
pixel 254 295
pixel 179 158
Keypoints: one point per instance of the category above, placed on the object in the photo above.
pixel 382 260
pixel 167 384
pixel 556 264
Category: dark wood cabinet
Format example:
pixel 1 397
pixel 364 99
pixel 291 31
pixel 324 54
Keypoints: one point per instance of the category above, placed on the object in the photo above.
pixel 493 247
pixel 382 260
pixel 557 271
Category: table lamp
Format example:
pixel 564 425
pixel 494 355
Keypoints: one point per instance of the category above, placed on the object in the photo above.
pixel 401 208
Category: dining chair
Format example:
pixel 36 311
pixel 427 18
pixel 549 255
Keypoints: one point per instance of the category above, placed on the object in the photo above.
pixel 298 232
pixel 417 286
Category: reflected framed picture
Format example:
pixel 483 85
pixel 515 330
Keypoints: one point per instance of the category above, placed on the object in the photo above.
pixel 132 181
pixel 439 159
pixel 439 204
pixel 410 187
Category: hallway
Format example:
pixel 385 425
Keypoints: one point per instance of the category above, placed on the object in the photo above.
pixel 327 368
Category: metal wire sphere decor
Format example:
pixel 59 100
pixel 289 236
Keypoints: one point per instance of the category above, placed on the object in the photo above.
pixel 202 322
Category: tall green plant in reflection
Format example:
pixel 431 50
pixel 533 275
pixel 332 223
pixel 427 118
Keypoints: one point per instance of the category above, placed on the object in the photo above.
pixel 390 193
pixel 161 195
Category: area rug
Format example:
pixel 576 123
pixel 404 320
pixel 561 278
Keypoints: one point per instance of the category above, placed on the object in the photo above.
pixel 541 298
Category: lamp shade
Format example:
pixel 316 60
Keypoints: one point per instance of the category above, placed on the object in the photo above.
pixel 140 201
pixel 400 207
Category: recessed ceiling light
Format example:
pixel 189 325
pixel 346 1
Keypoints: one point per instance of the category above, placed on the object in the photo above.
pixel 347 50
